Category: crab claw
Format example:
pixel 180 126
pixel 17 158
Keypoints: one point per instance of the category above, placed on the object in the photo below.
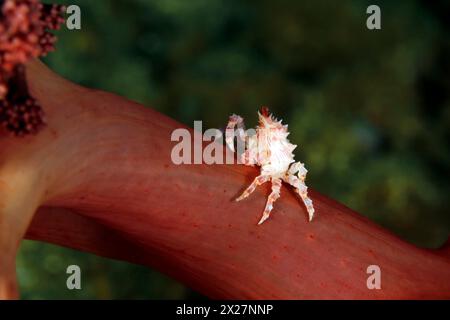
pixel 234 121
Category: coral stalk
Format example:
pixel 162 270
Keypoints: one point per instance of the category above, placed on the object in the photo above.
pixel 102 180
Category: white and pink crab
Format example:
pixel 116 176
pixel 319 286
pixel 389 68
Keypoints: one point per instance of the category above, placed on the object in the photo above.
pixel 270 149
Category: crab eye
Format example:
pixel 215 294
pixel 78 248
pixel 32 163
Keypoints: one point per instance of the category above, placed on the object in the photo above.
pixel 265 111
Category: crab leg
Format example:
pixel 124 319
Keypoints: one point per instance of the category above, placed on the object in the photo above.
pixel 259 180
pixel 274 195
pixel 298 183
pixel 302 191
pixel 234 121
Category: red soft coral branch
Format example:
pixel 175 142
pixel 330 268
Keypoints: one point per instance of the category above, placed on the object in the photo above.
pixel 103 176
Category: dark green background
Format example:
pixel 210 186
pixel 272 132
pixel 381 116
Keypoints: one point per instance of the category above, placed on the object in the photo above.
pixel 369 109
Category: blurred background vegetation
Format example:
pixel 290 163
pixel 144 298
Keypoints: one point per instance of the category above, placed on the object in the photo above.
pixel 369 109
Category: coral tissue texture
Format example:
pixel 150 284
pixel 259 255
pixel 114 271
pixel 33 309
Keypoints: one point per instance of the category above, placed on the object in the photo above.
pixel 25 27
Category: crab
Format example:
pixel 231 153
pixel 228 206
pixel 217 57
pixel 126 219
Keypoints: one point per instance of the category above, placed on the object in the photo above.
pixel 271 150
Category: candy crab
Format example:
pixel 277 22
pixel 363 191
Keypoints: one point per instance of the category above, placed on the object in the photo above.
pixel 271 150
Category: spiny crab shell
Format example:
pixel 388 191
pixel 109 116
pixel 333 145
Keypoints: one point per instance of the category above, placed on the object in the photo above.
pixel 274 149
pixel 270 149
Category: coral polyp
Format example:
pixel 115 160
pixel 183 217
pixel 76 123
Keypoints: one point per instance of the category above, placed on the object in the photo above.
pixel 25 34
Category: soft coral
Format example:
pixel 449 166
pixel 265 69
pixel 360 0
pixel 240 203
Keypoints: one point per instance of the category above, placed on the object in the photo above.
pixel 24 35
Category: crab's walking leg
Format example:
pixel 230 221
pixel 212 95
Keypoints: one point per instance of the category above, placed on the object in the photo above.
pixel 274 195
pixel 302 191
pixel 259 180
pixel 298 168
pixel 299 184
pixel 234 121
